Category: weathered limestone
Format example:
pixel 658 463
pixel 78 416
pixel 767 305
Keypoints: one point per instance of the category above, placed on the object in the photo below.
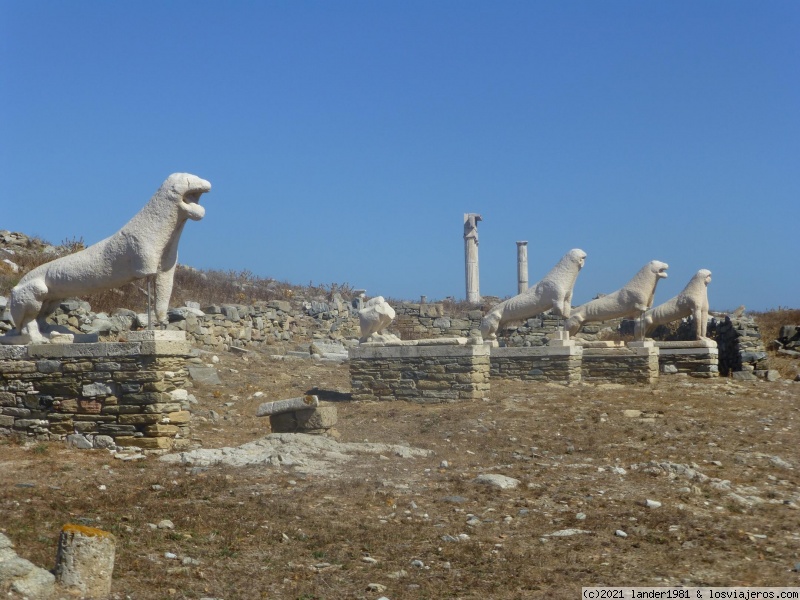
pixel 426 371
pixel 147 246
pixel 692 301
pixel 471 221
pixel 320 420
pixel 694 358
pixel 374 318
pixel 85 561
pixel 554 292
pixel 300 415
pixel 19 577
pixel 280 406
pixel 554 364
pixel 630 301
pixel 522 267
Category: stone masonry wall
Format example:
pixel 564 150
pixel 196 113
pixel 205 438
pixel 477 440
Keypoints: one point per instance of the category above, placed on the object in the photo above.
pixel 693 358
pixel 554 364
pixel 426 321
pixel 619 365
pixel 102 394
pixel 419 373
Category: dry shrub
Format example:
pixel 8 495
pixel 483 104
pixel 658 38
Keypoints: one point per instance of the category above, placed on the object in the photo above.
pixel 203 286
pixel 771 321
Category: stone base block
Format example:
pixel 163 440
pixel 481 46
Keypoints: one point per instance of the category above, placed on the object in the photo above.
pixel 619 364
pixel 557 364
pixel 131 391
pixel 427 371
pixel 698 358
pixel 145 443
pixel 316 420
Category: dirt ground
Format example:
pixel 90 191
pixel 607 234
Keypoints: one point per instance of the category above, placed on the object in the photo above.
pixel 719 459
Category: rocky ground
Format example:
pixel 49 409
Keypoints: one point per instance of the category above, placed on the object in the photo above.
pixel 534 491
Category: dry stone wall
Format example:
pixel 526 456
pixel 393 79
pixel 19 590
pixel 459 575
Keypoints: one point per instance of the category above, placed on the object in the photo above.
pixel 699 358
pixel 426 321
pixel 101 395
pixel 623 364
pixel 553 364
pixel 433 373
pixel 740 345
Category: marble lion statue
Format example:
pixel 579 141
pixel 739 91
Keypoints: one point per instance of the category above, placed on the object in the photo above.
pixel 147 246
pixel 630 301
pixel 374 318
pixel 554 292
pixel 693 300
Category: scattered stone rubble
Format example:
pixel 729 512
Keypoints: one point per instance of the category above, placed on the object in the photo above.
pixel 788 342
pixel 21 576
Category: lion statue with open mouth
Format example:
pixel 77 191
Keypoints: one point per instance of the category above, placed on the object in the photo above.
pixel 147 246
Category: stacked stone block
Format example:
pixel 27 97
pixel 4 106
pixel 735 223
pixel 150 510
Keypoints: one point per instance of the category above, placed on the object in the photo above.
pixel 124 394
pixel 227 325
pixel 554 364
pixel 426 321
pixel 429 371
pixel 694 358
pixel 619 363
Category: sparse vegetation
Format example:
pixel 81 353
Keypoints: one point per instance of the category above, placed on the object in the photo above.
pixel 263 531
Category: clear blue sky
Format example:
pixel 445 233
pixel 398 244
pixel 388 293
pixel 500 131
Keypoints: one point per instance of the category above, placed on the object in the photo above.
pixel 345 139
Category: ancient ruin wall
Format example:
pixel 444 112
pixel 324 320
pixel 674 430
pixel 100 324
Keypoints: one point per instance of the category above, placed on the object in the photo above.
pixel 104 394
pixel 426 374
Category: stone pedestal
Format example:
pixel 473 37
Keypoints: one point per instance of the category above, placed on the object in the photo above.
pixel 85 561
pixel 560 339
pixel 617 363
pixel 426 371
pixel 98 395
pixel 556 364
pixel 698 358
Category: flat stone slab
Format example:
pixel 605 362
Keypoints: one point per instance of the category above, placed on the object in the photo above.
pixel 366 351
pixel 535 351
pixel 290 404
pixel 703 351
pixel 151 335
pixel 453 341
pixel 744 376
pixel 444 341
pixel 588 344
pixel 687 344
pixel 499 481
pixel 313 454
pixel 204 375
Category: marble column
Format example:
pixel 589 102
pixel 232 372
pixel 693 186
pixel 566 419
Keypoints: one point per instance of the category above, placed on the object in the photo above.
pixel 471 256
pixel 522 267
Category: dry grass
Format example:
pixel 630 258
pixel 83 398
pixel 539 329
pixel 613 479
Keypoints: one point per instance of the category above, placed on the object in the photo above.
pixel 769 325
pixel 264 532
pixel 203 286
pixel 771 321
